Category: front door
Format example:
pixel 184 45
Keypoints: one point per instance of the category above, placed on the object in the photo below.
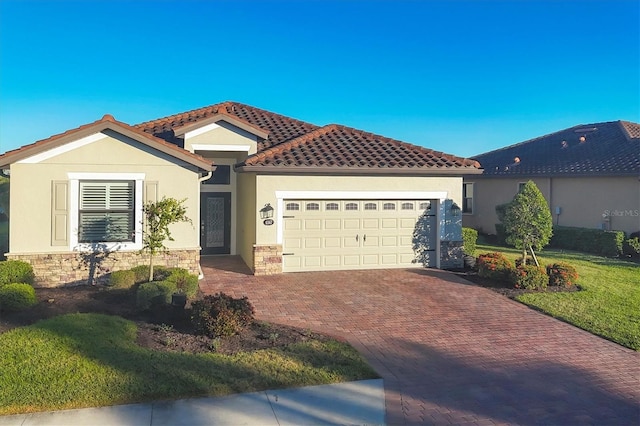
pixel 215 222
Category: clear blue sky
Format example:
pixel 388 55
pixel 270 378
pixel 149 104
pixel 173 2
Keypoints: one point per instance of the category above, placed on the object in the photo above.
pixel 462 77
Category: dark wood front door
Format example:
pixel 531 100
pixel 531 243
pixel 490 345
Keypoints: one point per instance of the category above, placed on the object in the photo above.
pixel 215 222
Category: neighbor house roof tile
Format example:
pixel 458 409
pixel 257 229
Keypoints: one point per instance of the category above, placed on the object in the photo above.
pixel 609 148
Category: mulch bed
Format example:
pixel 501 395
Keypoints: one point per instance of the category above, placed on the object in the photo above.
pixel 508 291
pixel 168 329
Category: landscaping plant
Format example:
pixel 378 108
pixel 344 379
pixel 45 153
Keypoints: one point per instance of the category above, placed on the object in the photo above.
pixel 158 216
pixel 17 296
pixel 221 315
pixel 15 271
pixel 562 274
pixel 494 266
pixel 527 220
pixel 529 277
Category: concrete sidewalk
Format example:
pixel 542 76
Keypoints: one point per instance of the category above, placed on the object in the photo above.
pixel 354 403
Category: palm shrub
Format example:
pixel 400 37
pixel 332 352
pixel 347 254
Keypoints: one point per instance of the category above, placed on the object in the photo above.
pixel 221 315
pixel 494 266
pixel 15 271
pixel 562 274
pixel 17 296
pixel 529 277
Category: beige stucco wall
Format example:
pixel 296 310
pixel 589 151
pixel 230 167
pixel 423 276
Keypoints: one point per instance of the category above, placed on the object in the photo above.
pixel 267 185
pixel 582 200
pixel 30 230
pixel 246 216
pixel 221 134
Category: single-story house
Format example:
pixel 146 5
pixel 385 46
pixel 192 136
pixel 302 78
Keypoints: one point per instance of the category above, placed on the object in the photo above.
pixel 285 195
pixel 589 175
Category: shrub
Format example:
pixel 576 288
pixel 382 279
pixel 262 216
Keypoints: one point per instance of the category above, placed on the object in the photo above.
pixel 631 247
pixel 154 294
pixel 494 266
pixel 562 274
pixel 15 271
pixel 184 281
pixel 530 261
pixel 221 315
pixel 596 241
pixel 17 296
pixel 469 239
pixel 529 277
pixel 160 273
pixel 122 279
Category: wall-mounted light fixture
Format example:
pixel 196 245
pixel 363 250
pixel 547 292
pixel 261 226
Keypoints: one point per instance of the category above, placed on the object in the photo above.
pixel 5 172
pixel 266 212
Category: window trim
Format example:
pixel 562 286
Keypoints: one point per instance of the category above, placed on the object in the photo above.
pixel 74 211
pixel 464 198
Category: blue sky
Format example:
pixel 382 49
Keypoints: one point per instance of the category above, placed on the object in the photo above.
pixel 463 77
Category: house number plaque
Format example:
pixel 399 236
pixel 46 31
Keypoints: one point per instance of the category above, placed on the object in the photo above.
pixel 268 222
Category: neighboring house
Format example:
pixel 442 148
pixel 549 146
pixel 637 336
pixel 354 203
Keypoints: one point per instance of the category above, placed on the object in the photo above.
pixel 285 195
pixel 589 175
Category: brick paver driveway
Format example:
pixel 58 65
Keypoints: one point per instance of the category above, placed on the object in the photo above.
pixel 450 352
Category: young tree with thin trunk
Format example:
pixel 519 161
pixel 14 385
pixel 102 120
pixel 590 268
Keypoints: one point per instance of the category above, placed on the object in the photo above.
pixel 527 220
pixel 158 216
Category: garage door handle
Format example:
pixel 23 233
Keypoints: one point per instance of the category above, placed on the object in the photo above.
pixel 357 238
pixel 364 239
pixel 288 254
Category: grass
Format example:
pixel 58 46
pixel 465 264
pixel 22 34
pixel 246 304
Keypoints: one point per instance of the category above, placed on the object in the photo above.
pixel 84 360
pixel 609 303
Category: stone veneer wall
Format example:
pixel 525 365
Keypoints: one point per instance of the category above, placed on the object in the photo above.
pixel 267 260
pixel 80 268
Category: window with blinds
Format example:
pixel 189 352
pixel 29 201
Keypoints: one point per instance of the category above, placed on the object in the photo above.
pixel 106 211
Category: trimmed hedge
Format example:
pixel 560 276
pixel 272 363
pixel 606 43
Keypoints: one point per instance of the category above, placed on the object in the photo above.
pixel 529 277
pixel 184 281
pixel 17 296
pixel 160 273
pixel 562 274
pixel 494 266
pixel 15 271
pixel 154 294
pixel 122 279
pixel 469 239
pixel 596 241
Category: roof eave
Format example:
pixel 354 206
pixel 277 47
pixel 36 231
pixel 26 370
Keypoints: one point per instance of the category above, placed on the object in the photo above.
pixel 316 170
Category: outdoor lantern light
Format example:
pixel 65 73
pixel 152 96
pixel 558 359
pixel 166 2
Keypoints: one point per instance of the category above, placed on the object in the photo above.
pixel 266 212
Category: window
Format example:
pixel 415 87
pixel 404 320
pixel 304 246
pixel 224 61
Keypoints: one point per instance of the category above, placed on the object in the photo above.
pixel 467 198
pixel 389 206
pixel 426 205
pixel 407 206
pixel 293 206
pixel 351 206
pixel 106 211
pixel 370 206
pixel 332 206
pixel 313 206
pixel 220 176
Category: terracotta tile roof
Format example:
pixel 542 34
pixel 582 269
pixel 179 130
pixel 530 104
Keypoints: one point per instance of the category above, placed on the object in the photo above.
pixel 280 128
pixel 293 144
pixel 610 148
pixel 106 122
pixel 336 147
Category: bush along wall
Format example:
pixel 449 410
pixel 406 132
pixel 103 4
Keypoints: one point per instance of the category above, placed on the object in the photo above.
pixel 596 241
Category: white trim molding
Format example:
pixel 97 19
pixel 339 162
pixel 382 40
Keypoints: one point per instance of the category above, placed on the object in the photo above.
pixel 74 191
pixel 34 159
pixel 201 130
pixel 206 147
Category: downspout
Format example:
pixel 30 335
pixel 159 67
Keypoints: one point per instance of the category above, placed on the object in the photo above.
pixel 200 180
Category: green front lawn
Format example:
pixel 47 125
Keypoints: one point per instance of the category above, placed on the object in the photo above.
pixel 82 360
pixel 609 303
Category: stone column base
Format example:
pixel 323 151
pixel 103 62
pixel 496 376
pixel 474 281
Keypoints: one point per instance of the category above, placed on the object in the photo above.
pixel 267 259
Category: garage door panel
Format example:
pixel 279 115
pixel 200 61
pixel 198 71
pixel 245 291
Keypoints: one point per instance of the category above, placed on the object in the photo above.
pixel 351 224
pixel 332 242
pixel 324 235
pixel 313 224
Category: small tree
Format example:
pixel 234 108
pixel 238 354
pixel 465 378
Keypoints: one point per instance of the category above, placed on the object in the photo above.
pixel 158 217
pixel 527 220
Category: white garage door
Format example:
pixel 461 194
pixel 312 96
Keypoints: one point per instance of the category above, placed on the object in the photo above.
pixel 322 235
